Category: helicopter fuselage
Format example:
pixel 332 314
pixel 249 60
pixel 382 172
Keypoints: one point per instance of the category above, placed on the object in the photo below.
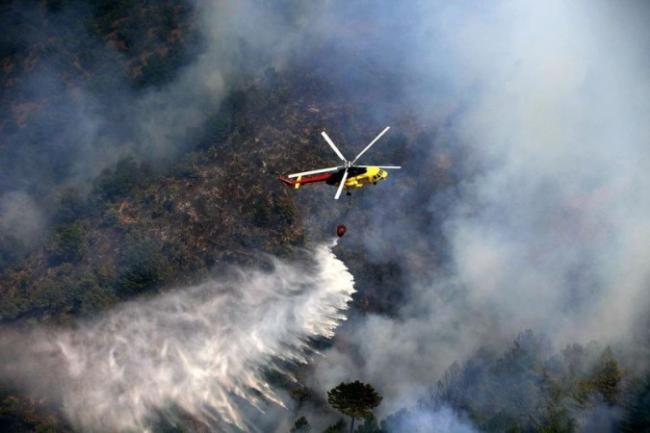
pixel 358 177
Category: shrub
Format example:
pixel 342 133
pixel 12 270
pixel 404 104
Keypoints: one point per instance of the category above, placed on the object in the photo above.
pixel 68 244
pixel 142 267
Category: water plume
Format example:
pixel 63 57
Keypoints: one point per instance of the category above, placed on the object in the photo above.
pixel 202 350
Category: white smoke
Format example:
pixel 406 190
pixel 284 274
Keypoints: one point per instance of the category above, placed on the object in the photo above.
pixel 553 234
pixel 20 217
pixel 203 350
pixel 420 420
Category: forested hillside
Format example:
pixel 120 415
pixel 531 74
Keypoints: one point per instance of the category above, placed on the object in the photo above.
pixel 93 213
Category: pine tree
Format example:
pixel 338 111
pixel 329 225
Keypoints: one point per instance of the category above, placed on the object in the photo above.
pixel 354 399
pixel 637 408
pixel 301 426
pixel 607 376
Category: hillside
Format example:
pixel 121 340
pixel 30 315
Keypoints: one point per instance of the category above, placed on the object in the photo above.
pixel 140 145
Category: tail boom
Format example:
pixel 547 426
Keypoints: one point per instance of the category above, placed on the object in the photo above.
pixel 301 180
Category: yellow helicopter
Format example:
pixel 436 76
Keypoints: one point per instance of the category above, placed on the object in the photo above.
pixel 348 176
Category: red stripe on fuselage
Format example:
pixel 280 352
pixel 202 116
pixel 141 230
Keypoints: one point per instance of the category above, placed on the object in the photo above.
pixel 305 179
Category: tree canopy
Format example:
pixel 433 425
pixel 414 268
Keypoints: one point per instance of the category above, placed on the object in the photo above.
pixel 354 399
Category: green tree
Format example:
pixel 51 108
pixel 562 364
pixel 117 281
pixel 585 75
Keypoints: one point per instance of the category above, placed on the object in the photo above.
pixel 71 206
pixel 68 244
pixel 607 376
pixel 301 426
pixel 336 428
pixel 354 399
pixel 113 184
pixel 557 420
pixel 142 266
pixel 637 408
pixel 91 297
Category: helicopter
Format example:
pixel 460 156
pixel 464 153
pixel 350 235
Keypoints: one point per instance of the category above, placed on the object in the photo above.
pixel 349 175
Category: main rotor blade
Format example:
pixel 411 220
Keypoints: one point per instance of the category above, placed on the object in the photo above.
pixel 370 145
pixel 341 185
pixel 333 146
pixel 387 167
pixel 320 170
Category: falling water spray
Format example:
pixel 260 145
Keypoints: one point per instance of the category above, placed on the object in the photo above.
pixel 201 350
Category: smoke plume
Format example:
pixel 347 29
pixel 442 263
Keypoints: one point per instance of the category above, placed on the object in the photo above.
pixel 541 114
pixel 203 350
